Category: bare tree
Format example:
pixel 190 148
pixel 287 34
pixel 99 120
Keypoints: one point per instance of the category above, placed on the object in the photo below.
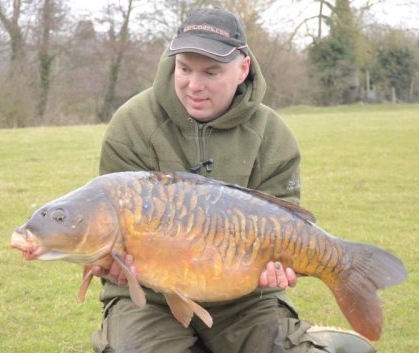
pixel 11 24
pixel 118 41
pixel 16 101
pixel 166 15
pixel 50 21
pixel 54 73
pixel 44 55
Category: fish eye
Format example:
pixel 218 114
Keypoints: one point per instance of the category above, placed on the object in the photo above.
pixel 58 216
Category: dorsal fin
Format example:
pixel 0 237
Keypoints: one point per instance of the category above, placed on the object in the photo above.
pixel 199 179
pixel 292 207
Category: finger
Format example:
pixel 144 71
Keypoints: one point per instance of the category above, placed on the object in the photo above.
pixel 114 274
pixel 280 276
pixel 263 280
pixel 98 271
pixel 122 279
pixel 129 262
pixel 273 275
pixel 291 276
pixel 114 270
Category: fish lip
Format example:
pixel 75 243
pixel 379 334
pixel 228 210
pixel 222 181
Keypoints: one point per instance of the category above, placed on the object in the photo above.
pixel 51 255
pixel 27 243
pixel 32 249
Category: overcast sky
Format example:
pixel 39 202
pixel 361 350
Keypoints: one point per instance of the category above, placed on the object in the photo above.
pixel 393 12
pixel 396 13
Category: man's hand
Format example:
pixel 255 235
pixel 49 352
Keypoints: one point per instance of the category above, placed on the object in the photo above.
pixel 275 276
pixel 115 273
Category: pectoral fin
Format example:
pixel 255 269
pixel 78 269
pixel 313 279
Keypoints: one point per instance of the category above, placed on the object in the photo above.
pixel 183 309
pixel 136 292
pixel 87 278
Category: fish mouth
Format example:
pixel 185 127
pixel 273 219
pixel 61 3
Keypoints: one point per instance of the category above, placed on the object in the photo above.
pixel 28 244
pixel 32 249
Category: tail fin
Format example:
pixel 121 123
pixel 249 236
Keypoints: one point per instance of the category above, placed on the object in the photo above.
pixel 370 268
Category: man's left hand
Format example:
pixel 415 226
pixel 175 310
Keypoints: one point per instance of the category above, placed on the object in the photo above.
pixel 275 275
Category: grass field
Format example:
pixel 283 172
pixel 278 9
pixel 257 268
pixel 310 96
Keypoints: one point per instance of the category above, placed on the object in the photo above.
pixel 360 177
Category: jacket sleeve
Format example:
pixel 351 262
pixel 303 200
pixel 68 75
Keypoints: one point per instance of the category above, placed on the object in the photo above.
pixel 277 168
pixel 124 146
pixel 115 156
pixel 284 182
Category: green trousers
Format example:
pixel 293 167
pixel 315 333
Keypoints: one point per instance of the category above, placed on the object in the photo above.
pixel 251 325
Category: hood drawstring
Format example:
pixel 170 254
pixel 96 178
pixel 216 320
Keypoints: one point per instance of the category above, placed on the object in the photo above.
pixel 198 131
pixel 207 164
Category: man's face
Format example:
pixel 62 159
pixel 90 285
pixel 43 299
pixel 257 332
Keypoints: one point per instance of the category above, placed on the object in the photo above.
pixel 206 87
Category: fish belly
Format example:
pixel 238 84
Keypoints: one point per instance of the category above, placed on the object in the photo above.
pixel 196 270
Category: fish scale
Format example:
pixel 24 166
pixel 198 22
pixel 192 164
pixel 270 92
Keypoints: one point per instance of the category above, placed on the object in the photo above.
pixel 196 240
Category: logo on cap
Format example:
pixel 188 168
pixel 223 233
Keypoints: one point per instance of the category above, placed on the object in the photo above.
pixel 206 28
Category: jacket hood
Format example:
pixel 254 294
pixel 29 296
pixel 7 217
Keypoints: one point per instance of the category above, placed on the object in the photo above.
pixel 248 96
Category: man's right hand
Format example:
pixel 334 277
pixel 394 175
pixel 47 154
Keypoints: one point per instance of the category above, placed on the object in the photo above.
pixel 115 273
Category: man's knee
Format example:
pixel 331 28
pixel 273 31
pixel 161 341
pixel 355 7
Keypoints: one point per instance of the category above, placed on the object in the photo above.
pixel 340 341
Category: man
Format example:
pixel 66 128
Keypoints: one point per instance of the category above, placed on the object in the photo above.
pixel 204 114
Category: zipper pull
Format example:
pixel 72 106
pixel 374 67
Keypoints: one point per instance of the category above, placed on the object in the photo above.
pixel 208 164
pixel 195 168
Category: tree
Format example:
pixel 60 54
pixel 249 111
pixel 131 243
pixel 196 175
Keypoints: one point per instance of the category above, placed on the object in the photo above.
pixel 333 58
pixel 83 74
pixel 398 65
pixel 45 57
pixel 395 63
pixel 118 41
pixel 16 94
pixel 50 44
pixel 12 26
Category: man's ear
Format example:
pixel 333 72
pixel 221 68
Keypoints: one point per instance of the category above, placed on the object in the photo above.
pixel 244 68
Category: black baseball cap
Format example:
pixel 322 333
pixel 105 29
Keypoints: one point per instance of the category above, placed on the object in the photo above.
pixel 211 32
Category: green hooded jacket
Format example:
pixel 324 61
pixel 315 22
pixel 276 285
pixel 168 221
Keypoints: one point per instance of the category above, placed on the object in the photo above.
pixel 249 145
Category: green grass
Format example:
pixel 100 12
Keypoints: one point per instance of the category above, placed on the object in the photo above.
pixel 39 311
pixel 360 177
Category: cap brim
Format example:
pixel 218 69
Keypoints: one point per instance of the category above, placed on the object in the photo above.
pixel 205 46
